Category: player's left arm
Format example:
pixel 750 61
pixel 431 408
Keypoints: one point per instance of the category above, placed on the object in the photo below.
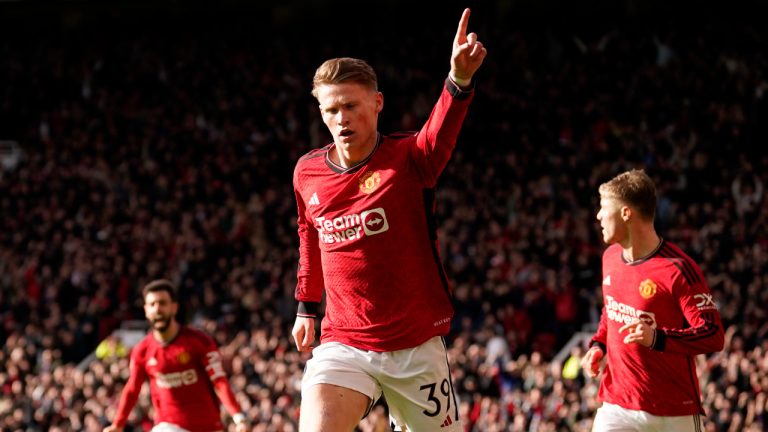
pixel 217 375
pixel 705 331
pixel 437 138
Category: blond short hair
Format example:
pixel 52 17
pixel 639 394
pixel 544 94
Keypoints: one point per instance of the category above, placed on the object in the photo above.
pixel 635 189
pixel 344 69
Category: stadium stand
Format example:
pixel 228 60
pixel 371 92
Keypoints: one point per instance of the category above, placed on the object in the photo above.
pixel 168 152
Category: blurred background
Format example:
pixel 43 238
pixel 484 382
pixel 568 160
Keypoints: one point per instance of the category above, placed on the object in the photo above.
pixel 145 139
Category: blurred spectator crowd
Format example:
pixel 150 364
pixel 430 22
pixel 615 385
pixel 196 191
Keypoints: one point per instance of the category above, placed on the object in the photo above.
pixel 170 154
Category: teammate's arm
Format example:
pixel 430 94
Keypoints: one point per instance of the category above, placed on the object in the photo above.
pixel 591 360
pixel 130 393
pixel 217 375
pixel 705 332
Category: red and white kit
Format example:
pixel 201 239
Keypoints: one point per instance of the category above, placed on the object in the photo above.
pixel 668 291
pixel 368 236
pixel 182 376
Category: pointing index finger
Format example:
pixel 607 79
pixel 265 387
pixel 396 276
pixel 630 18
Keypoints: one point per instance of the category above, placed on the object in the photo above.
pixel 627 326
pixel 461 32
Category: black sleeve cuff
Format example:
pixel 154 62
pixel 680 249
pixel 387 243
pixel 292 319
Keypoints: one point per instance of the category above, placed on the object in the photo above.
pixel 456 91
pixel 599 345
pixel 659 340
pixel 308 309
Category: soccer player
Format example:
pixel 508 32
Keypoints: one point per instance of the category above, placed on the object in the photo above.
pixel 368 239
pixel 184 370
pixel 658 314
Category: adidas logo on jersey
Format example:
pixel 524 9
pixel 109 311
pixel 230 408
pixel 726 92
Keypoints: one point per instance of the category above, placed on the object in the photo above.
pixel 314 200
pixel 152 362
pixel 607 280
pixel 447 422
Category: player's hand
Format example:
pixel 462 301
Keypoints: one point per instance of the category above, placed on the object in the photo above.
pixel 591 361
pixel 304 333
pixel 468 53
pixel 113 428
pixel 242 427
pixel 639 332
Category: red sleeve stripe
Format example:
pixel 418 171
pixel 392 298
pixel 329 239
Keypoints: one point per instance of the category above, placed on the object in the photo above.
pixel 315 153
pixel 694 333
pixel 682 262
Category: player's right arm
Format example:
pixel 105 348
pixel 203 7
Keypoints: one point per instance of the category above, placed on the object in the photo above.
pixel 309 286
pixel 591 360
pixel 130 392
pixel 304 333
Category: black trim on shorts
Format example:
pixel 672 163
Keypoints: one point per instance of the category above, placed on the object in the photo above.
pixel 450 380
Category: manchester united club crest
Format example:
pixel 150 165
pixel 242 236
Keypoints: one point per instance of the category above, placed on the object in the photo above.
pixel 183 358
pixel 647 288
pixel 369 182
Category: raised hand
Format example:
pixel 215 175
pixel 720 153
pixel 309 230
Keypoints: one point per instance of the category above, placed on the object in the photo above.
pixel 468 53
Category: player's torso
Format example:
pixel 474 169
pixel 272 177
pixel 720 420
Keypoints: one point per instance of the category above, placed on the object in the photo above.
pixel 382 202
pixel 173 366
pixel 385 287
pixel 180 389
pixel 642 291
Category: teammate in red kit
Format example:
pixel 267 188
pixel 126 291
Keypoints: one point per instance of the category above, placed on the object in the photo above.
pixel 368 239
pixel 184 370
pixel 658 314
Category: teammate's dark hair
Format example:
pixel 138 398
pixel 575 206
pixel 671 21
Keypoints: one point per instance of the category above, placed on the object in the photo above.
pixel 159 285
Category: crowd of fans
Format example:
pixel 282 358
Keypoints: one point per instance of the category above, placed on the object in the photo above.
pixel 170 154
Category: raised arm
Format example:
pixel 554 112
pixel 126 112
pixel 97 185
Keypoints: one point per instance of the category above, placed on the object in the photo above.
pixel 468 53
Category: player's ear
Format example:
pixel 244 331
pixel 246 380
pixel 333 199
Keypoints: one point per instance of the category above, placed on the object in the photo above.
pixel 626 213
pixel 379 102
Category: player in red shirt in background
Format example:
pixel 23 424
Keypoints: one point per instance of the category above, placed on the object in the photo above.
pixel 658 314
pixel 368 239
pixel 184 369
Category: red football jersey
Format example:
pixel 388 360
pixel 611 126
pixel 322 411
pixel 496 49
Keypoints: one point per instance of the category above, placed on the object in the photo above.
pixel 368 235
pixel 668 291
pixel 181 378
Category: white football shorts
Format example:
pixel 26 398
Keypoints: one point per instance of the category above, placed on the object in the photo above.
pixel 168 427
pixel 613 418
pixel 416 382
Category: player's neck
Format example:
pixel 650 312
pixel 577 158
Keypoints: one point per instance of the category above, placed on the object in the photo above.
pixel 169 333
pixel 640 244
pixel 349 156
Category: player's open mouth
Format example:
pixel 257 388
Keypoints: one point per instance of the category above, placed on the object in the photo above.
pixel 345 133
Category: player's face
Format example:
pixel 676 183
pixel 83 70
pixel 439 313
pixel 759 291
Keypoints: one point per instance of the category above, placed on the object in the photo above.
pixel 611 220
pixel 350 111
pixel 160 309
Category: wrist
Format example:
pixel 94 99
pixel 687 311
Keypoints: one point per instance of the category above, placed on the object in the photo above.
pixel 238 418
pixel 308 309
pixel 463 83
